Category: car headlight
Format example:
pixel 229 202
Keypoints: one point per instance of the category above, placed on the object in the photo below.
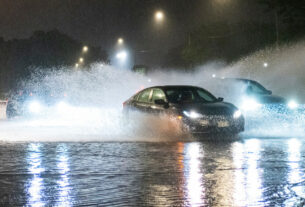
pixel 250 104
pixel 237 114
pixel 192 114
pixel 292 104
pixel 62 107
pixel 35 107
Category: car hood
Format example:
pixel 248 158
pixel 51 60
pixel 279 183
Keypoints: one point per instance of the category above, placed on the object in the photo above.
pixel 218 108
pixel 271 99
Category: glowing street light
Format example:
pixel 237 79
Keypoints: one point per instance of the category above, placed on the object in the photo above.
pixel 81 60
pixel 265 64
pixel 76 65
pixel 85 49
pixel 159 16
pixel 120 41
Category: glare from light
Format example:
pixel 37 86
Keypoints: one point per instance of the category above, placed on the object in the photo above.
pixel 159 16
pixel 62 107
pixel 239 174
pixel 250 104
pixel 214 75
pixel 35 107
pixel 253 172
pixel 265 64
pixel 192 114
pixel 237 114
pixel 122 55
pixel 81 60
pixel 35 168
pixel 193 174
pixel 85 49
pixel 294 158
pixel 76 65
pixel 292 104
pixel 120 41
pixel 64 182
pixel 149 80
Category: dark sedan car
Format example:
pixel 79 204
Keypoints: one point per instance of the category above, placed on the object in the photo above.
pixel 197 109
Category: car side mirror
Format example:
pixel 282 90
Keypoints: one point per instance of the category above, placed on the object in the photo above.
pixel 220 99
pixel 269 92
pixel 161 102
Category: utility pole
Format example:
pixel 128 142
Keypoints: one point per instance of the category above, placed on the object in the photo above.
pixel 276 22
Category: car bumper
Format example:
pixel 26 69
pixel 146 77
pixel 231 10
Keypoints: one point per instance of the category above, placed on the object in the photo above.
pixel 215 125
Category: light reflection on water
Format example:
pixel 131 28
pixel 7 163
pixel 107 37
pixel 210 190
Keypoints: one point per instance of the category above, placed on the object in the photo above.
pixel 253 176
pixel 193 174
pixel 294 157
pixel 64 181
pixel 37 186
pixel 239 175
pixel 295 173
pixel 247 174
pixel 247 183
pixel 35 168
pixel 252 172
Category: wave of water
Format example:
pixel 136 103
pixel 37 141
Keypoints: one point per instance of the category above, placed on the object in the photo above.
pixel 95 96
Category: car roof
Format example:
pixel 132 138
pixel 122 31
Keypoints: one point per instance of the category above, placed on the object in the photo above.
pixel 165 87
pixel 240 80
pixel 172 86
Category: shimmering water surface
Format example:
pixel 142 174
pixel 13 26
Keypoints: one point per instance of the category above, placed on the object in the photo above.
pixel 249 172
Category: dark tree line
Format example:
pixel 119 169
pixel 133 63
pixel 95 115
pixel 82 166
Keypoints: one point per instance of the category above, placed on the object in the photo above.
pixel 289 17
pixel 19 57
pixel 225 41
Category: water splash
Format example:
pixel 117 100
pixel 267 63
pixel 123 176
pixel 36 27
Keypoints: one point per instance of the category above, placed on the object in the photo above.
pixel 95 96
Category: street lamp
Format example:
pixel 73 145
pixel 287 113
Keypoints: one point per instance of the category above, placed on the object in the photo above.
pixel 85 49
pixel 159 16
pixel 120 41
pixel 265 64
pixel 81 60
pixel 76 65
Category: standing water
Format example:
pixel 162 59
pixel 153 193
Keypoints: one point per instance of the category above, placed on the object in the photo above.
pixel 253 172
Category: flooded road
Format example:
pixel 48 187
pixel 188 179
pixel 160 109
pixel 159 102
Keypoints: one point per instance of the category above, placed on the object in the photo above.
pixel 249 172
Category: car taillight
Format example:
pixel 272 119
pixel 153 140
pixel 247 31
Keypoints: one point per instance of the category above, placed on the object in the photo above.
pixel 124 104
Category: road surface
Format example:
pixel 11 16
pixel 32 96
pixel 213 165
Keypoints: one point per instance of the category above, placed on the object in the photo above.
pixel 247 172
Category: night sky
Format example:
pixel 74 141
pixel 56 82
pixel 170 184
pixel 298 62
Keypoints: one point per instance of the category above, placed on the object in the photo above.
pixel 101 22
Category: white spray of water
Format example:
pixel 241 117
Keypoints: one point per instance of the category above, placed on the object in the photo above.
pixel 281 70
pixel 95 98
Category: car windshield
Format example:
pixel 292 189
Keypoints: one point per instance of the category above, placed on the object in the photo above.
pixel 189 95
pixel 255 87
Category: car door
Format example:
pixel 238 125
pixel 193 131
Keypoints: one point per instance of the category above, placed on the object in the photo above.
pixel 143 101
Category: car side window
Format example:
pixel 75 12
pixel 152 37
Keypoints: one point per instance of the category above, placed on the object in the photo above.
pixel 180 95
pixel 158 94
pixel 205 96
pixel 144 96
pixel 135 97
